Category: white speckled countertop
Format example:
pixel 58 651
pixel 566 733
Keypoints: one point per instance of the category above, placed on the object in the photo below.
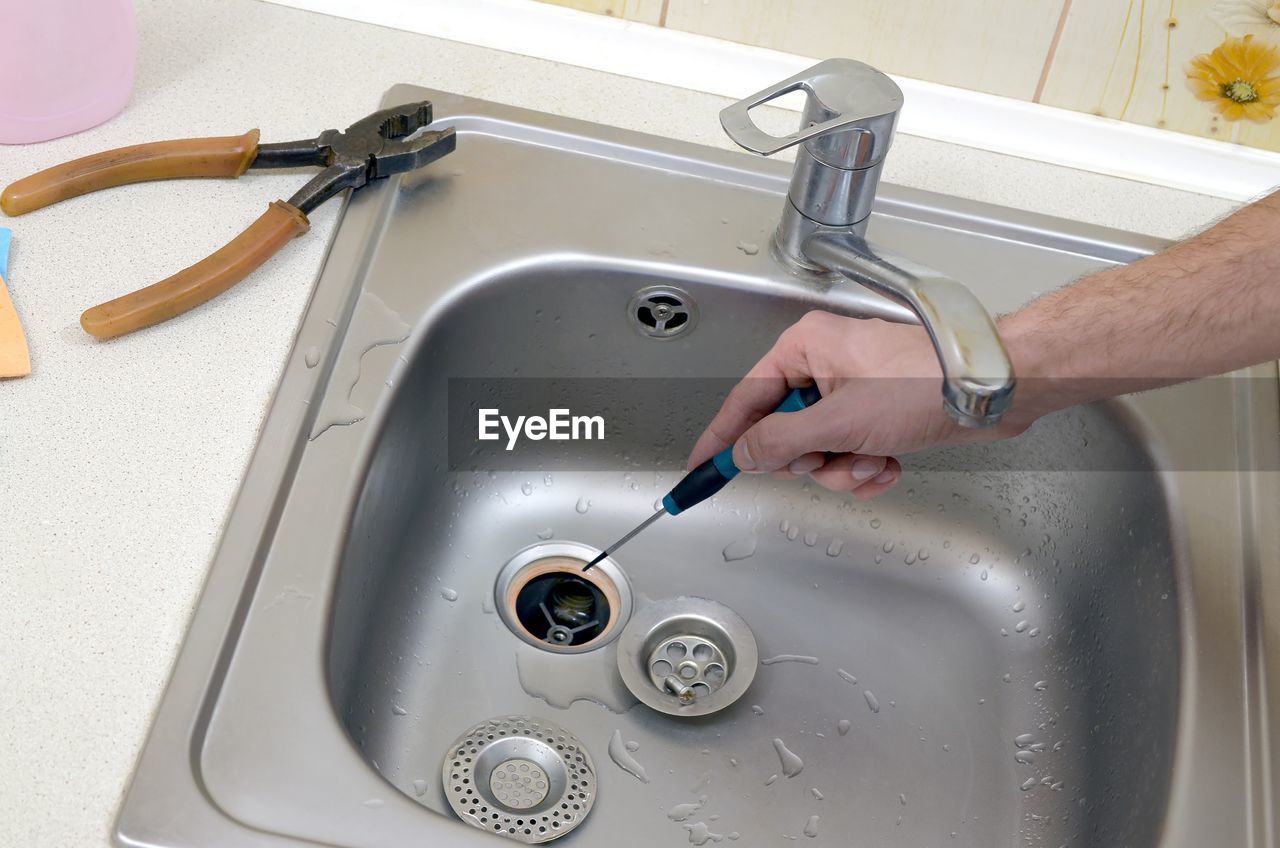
pixel 120 460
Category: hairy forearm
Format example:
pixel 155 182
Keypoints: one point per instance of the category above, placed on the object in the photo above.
pixel 1205 306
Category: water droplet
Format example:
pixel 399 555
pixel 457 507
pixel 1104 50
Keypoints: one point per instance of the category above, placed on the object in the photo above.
pixel 792 533
pixel 902 798
pixel 582 506
pixel 526 487
pixel 1028 783
pixel 681 812
pixel 811 538
pixel 749 248
pixel 546 533
pixel 770 779
pixel 1007 677
pixel 448 594
pixel 739 549
pixel 619 754
pixel 910 558
pixel 871 700
pixel 811 827
pixel 924 554
pixel 875 524
pixel 813 790
pixel 1023 740
pixel 983 575
pixel 312 356
pixel 1033 632
pixel 757 709
pixel 1019 605
pixel 1041 685
pixel 781 658
pixel 974 559
pixel 1021 626
pixel 700 834
pixel 791 764
pixel 399 710
pixel 632 746
pixel 419 787
pixel 836 546
pixel 784 526
pixel 373 803
pixel 846 676
pixel 887 547
pixel 546 479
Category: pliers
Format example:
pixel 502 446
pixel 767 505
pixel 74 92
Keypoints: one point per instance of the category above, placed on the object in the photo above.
pixel 378 146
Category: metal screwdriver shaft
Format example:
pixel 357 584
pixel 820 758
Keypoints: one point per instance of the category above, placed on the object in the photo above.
pixel 627 538
pixel 709 477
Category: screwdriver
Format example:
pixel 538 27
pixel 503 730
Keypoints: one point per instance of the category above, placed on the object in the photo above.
pixel 709 477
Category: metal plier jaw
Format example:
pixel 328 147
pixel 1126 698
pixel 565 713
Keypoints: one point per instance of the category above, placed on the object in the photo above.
pixel 390 141
pixel 374 147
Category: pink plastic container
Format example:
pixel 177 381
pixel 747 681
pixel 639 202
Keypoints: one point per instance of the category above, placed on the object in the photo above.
pixel 65 65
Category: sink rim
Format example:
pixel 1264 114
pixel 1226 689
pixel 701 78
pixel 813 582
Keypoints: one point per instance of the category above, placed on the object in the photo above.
pixel 228 599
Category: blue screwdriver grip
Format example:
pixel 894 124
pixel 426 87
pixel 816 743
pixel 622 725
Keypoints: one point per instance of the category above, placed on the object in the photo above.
pixel 714 474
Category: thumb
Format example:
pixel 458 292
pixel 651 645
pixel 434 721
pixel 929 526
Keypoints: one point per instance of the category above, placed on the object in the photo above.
pixel 777 439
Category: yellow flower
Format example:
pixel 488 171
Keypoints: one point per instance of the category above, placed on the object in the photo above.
pixel 1238 79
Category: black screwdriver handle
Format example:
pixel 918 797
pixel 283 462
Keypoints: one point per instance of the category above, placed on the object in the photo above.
pixel 714 474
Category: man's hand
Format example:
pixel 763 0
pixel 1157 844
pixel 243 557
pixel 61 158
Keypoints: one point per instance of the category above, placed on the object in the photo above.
pixel 1208 305
pixel 881 395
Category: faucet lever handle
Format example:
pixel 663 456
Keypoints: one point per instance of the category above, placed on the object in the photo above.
pixel 851 106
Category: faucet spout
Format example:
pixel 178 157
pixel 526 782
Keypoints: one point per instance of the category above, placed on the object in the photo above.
pixel 846 128
pixel 977 377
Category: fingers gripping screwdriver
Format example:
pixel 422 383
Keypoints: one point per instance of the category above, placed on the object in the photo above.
pixel 709 477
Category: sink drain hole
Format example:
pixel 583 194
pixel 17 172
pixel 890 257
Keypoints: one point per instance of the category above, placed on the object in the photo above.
pixel 545 598
pixel 562 609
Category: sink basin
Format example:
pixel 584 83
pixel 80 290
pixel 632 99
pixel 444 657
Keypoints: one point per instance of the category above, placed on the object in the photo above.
pixel 1059 640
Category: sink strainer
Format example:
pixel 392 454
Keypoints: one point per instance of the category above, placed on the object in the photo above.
pixel 687 656
pixel 520 777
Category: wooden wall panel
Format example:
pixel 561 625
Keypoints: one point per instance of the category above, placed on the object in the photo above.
pixel 1104 67
pixel 1122 59
pixel 997 46
pixel 643 11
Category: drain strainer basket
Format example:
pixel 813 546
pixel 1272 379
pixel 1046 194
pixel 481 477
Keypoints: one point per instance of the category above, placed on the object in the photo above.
pixel 687 656
pixel 520 777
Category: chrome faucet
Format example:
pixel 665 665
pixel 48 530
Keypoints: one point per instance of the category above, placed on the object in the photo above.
pixel 845 131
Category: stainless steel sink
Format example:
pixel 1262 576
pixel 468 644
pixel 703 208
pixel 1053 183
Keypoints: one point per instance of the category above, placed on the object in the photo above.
pixel 1068 639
